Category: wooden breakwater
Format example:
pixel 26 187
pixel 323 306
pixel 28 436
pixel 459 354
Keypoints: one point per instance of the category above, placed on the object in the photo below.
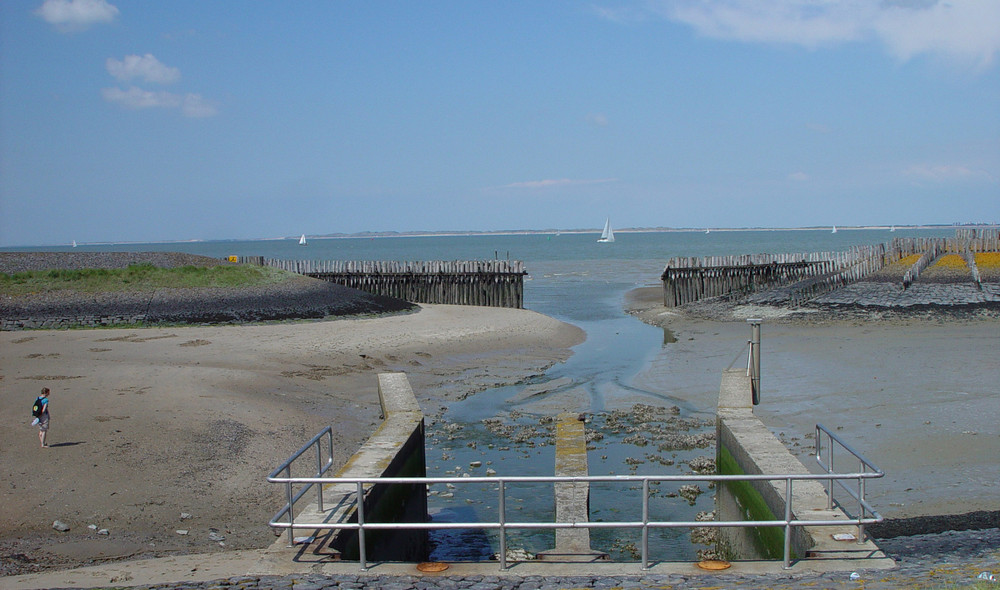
pixel 489 283
pixel 966 243
pixel 808 275
pixel 687 279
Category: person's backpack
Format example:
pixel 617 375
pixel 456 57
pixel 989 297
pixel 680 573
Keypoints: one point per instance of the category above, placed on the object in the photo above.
pixel 36 408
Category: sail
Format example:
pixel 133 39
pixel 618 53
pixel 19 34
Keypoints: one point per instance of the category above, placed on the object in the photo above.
pixel 302 240
pixel 607 235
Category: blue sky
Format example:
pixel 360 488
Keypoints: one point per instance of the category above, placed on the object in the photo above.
pixel 130 120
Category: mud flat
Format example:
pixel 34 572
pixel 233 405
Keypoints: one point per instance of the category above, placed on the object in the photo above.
pixel 915 392
pixel 169 429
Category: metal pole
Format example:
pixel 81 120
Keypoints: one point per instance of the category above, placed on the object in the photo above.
pixel 319 473
pixel 861 502
pixel 788 525
pixel 645 524
pixel 503 528
pixel 831 470
pixel 291 509
pixel 755 358
pixel 329 448
pixel 362 550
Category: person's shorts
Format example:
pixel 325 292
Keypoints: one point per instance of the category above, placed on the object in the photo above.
pixel 43 423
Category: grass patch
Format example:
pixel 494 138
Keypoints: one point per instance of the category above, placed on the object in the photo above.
pixel 138 278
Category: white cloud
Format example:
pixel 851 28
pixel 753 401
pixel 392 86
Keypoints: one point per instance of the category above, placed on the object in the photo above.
pixel 146 67
pixel 946 172
pixel 967 30
pixel 76 15
pixel 964 29
pixel 137 98
pixel 798 176
pixel 190 105
pixel 195 106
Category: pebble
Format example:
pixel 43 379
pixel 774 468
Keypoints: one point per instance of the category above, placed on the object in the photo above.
pixel 953 558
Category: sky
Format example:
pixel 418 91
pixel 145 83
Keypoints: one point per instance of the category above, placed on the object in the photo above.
pixel 127 120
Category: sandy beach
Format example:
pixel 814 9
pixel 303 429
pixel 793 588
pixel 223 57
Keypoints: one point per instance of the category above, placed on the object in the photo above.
pixel 151 423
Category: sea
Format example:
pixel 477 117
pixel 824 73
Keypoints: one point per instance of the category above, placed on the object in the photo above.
pixel 573 278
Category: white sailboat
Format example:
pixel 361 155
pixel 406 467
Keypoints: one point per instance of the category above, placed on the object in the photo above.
pixel 834 230
pixel 74 243
pixel 892 229
pixel 607 235
pixel 302 240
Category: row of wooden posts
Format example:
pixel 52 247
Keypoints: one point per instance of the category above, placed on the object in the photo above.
pixel 490 283
pixel 692 279
pixel 813 274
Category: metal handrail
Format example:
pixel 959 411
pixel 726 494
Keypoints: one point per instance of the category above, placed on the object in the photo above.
pixel 503 525
pixel 864 465
pixel 321 468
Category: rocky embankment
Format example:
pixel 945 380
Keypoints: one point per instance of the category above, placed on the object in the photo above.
pixel 298 297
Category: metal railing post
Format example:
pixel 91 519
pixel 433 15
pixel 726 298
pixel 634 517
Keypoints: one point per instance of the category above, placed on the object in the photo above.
pixel 362 549
pixel 819 457
pixel 788 523
pixel 329 448
pixel 645 524
pixel 291 507
pixel 503 528
pixel 830 469
pixel 861 502
pixel 319 473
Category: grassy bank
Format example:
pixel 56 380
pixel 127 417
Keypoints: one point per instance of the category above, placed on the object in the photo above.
pixel 138 278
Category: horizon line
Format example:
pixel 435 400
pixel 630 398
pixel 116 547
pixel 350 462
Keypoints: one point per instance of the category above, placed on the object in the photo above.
pixel 511 232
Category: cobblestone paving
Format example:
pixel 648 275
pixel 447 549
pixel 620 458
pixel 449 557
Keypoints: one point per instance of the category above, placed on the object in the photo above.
pixel 944 560
pixel 890 295
pixel 919 294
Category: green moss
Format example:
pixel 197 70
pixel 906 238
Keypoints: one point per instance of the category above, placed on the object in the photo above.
pixel 770 540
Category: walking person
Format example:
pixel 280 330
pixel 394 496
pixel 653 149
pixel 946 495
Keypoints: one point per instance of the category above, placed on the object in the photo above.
pixel 43 418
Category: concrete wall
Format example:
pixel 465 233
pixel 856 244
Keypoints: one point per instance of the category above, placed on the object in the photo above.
pixel 746 446
pixel 396 449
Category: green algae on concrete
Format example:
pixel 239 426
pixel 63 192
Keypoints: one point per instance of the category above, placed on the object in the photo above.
pixel 769 541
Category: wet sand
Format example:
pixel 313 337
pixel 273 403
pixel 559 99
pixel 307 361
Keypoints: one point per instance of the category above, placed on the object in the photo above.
pixel 919 397
pixel 148 424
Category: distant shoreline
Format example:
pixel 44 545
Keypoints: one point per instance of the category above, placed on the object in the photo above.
pixel 518 232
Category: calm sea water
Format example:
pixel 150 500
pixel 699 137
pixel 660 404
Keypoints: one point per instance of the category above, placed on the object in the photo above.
pixel 577 280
